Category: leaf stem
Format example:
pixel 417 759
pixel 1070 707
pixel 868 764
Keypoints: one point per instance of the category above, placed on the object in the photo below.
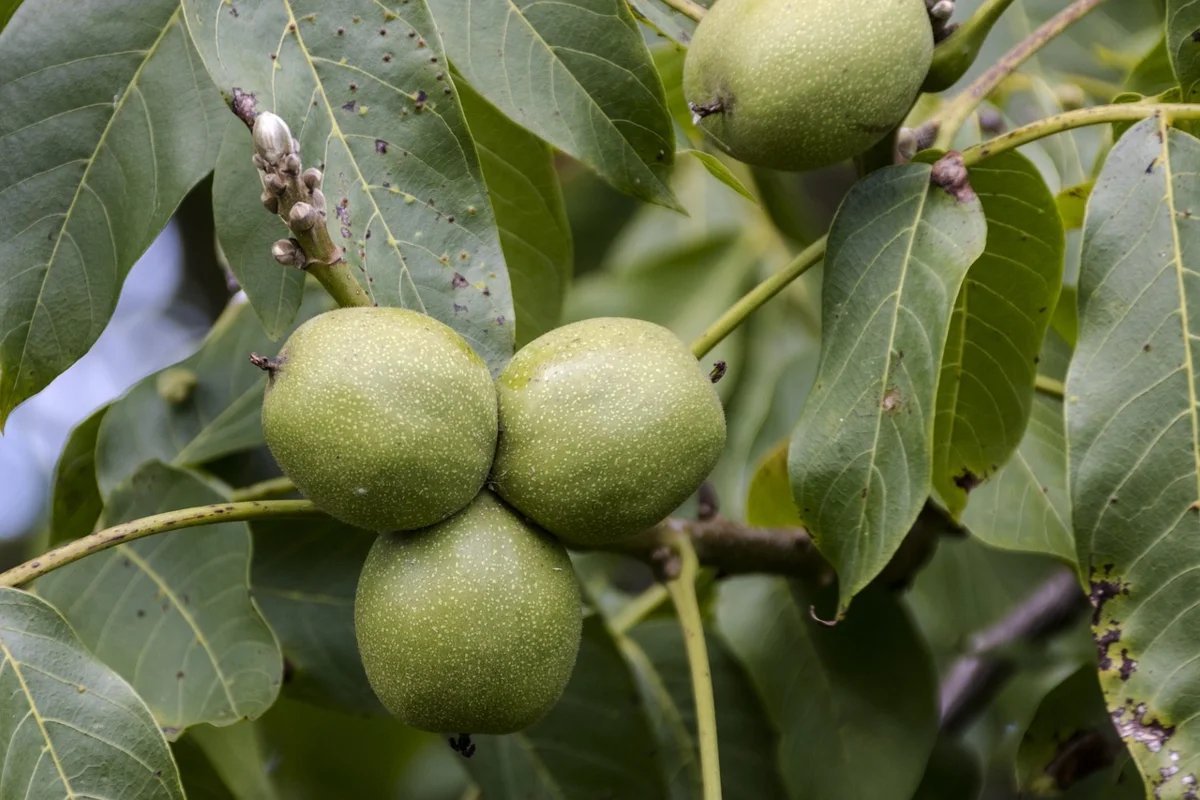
pixel 688 8
pixel 1097 115
pixel 272 487
pixel 949 120
pixel 756 297
pixel 683 594
pixel 639 608
pixel 1050 387
pixel 148 526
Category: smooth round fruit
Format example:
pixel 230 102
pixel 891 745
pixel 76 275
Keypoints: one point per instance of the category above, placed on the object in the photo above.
pixel 471 625
pixel 606 426
pixel 798 84
pixel 383 417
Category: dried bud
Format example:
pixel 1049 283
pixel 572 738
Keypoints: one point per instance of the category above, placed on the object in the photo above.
pixel 942 10
pixel 270 201
pixel 312 177
pixel 272 139
pixel 302 217
pixel 289 253
pixel 274 183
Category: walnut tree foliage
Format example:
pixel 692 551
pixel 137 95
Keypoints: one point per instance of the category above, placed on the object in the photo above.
pixel 957 552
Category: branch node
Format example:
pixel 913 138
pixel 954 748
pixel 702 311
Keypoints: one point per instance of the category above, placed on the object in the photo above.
pixel 950 173
pixel 268 365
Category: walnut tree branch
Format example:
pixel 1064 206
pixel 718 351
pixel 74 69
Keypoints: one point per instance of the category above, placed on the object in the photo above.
pixel 977 676
pixel 295 195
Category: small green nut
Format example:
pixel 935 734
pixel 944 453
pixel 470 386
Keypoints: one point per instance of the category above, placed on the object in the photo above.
pixel 383 417
pixel 471 625
pixel 799 84
pixel 176 385
pixel 607 425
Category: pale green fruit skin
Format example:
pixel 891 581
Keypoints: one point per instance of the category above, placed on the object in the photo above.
pixel 383 417
pixel 471 625
pixel 806 83
pixel 606 426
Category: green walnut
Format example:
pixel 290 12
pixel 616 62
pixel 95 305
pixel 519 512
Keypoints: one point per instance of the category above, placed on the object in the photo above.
pixel 798 84
pixel 606 426
pixel 471 625
pixel 383 417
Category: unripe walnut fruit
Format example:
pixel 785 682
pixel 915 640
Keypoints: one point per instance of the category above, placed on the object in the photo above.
pixel 606 426
pixel 471 625
pixel 383 417
pixel 798 84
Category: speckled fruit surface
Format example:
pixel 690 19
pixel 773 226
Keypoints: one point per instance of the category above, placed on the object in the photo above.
pixel 383 417
pixel 804 83
pixel 607 425
pixel 471 625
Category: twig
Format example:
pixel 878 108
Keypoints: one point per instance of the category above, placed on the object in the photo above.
pixel 1069 120
pixel 977 676
pixel 295 195
pixel 687 610
pixel 688 8
pixel 755 298
pixel 272 487
pixel 1050 387
pixel 148 526
pixel 952 116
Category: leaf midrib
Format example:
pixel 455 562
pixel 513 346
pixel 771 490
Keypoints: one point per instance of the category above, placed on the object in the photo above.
pixel 38 718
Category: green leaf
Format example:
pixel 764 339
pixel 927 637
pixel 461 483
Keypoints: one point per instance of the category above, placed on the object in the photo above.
pixel 1072 203
pixel 1004 307
pixel 595 743
pixel 378 114
pixel 675 742
pixel 528 202
pixel 861 454
pixel 304 577
pixel 719 170
pixel 1134 443
pixel 221 415
pixel 172 613
pixel 237 754
pixel 7 9
pixel 769 501
pixel 577 74
pixel 77 503
pixel 246 232
pixel 1024 506
pixel 319 754
pixel 852 724
pixel 70 726
pixel 1154 73
pixel 1071 750
pixel 109 121
pixel 1183 45
pixel 747 740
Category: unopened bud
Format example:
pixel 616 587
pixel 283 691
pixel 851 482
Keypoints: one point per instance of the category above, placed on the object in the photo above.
pixel 312 177
pixel 289 253
pixel 318 200
pixel 270 201
pixel 272 138
pixel 942 10
pixel 274 183
pixel 176 385
pixel 290 165
pixel 302 217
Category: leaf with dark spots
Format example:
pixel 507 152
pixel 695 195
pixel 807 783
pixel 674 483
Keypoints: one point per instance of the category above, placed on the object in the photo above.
pixel 426 155
pixel 381 147
pixel 967 480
